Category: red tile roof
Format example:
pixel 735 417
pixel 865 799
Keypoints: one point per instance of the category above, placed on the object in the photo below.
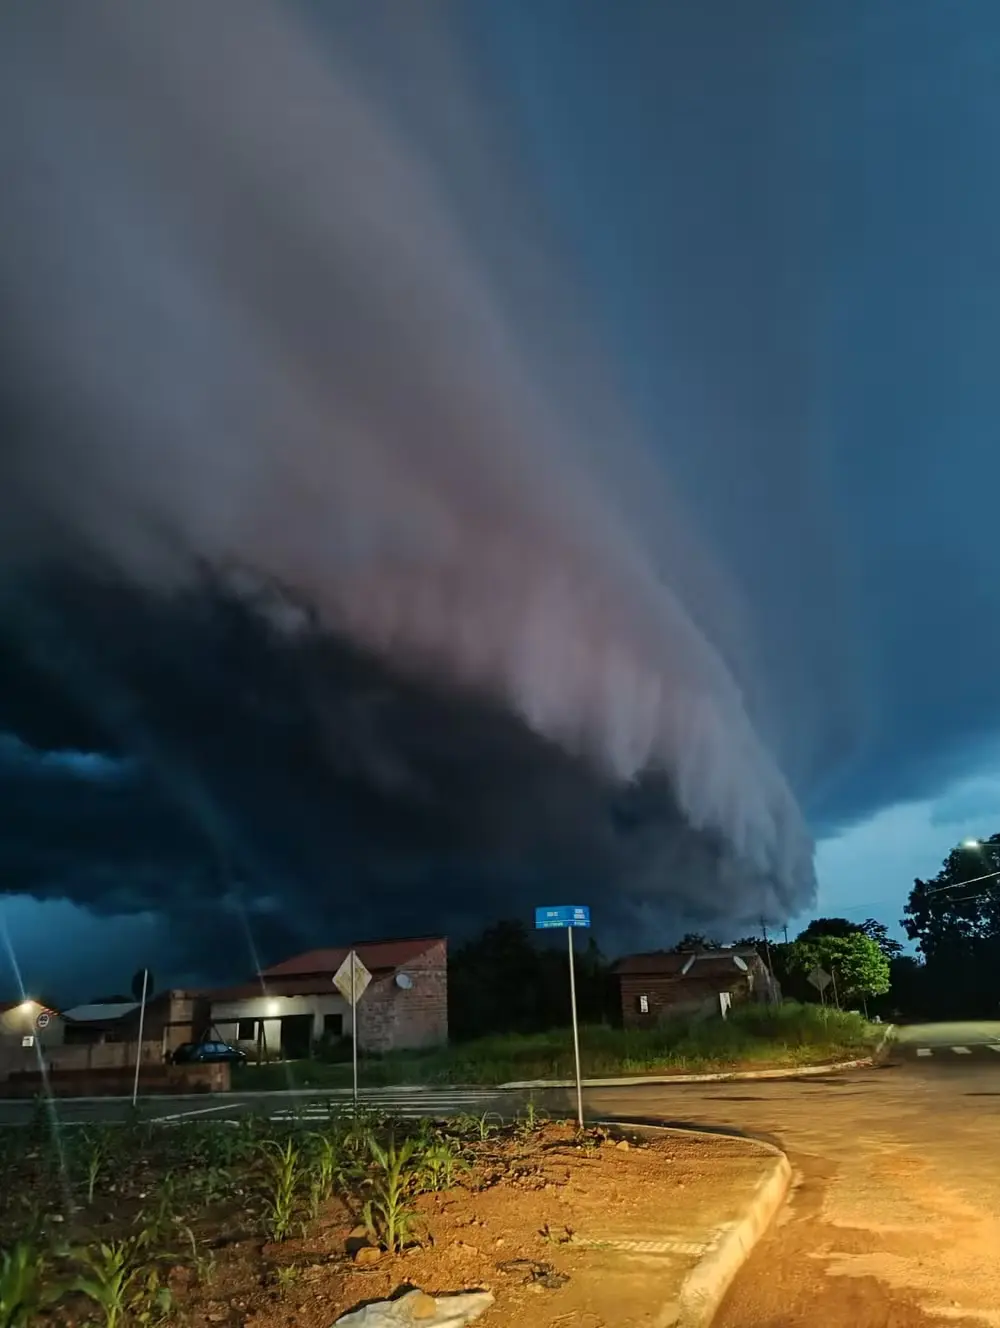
pixel 310 985
pixel 668 963
pixel 377 957
pixel 695 986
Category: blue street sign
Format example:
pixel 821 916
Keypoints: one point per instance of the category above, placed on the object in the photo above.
pixel 565 915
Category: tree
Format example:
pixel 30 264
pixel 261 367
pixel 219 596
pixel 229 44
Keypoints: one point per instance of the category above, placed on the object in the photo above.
pixel 504 981
pixel 955 920
pixel 871 927
pixel 910 995
pixel 823 927
pixel 696 941
pixel 879 933
pixel 856 963
pixel 958 908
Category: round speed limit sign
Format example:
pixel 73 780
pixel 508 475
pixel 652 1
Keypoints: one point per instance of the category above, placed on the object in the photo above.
pixel 42 1021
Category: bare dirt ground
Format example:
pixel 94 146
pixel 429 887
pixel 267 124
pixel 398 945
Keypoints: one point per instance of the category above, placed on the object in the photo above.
pixel 526 1229
pixel 568 1229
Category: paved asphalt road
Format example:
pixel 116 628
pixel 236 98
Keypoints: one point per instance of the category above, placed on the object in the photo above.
pixel 312 1106
pixel 894 1218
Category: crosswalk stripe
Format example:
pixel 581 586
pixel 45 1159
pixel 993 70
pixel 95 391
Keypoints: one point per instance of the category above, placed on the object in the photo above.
pixel 405 1104
pixel 961 1051
pixel 923 1051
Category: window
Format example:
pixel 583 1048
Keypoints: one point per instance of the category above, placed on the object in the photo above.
pixel 333 1025
pixel 644 1005
pixel 246 1030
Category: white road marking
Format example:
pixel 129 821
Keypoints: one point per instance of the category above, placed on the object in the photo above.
pixel 924 1051
pixel 184 1115
pixel 409 1106
pixel 993 1046
pixel 961 1051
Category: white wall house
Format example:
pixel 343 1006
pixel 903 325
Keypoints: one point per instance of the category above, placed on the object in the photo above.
pixel 289 1008
pixel 280 1025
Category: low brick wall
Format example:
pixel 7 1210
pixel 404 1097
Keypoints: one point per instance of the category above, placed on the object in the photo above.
pixel 79 1059
pixel 117 1081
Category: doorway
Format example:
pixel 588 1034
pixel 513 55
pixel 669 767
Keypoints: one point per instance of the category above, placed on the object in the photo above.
pixel 296 1036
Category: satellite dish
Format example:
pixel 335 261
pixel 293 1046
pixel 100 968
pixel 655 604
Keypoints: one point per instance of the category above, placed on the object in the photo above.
pixel 403 981
pixel 741 964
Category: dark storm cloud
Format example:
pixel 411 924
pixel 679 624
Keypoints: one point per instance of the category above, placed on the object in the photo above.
pixel 630 453
pixel 786 213
pixel 276 784
pixel 279 317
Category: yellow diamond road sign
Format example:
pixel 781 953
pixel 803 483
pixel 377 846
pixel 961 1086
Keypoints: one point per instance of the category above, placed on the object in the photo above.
pixel 342 979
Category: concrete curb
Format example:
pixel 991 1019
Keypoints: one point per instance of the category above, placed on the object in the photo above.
pixel 704 1288
pixel 718 1077
pixel 883 1041
pixel 703 1291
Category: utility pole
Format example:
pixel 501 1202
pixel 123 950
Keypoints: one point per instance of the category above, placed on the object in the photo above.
pixel 767 951
pixel 785 930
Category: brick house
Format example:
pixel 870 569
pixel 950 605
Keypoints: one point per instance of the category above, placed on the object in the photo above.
pixel 292 1006
pixel 696 984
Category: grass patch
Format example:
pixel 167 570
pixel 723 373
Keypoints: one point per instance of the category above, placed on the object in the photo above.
pixel 753 1037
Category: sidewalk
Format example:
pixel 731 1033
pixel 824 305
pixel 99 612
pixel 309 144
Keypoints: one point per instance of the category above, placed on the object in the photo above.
pixel 640 1234
pixel 666 1256
pixel 709 1077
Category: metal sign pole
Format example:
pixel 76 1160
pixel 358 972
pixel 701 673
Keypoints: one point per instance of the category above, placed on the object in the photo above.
pixel 576 1032
pixel 138 1050
pixel 354 1023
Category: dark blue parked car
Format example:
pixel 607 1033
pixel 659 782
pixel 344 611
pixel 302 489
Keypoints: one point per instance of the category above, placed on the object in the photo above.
pixel 206 1053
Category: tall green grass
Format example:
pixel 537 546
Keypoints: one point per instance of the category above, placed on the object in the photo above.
pixel 754 1036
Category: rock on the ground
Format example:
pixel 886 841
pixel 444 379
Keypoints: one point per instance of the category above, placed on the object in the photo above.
pixel 416 1308
pixel 367 1255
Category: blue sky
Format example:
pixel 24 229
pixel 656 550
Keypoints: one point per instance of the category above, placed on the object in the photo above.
pixel 868 870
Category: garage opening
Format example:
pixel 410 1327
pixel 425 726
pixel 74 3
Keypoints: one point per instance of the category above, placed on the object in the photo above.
pixel 296 1035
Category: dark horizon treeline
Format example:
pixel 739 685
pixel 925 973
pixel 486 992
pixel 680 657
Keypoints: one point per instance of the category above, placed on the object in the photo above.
pixel 508 980
pixel 505 981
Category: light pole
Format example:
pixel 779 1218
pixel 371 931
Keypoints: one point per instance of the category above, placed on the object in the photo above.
pixel 974 845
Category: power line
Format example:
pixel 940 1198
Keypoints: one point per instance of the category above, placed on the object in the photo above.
pixel 873 904
pixel 958 885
